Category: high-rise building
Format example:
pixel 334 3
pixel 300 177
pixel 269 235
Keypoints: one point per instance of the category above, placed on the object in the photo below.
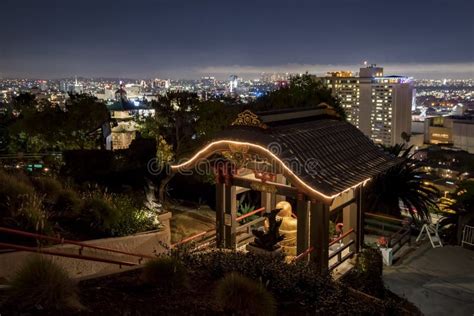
pixel 380 106
pixel 78 88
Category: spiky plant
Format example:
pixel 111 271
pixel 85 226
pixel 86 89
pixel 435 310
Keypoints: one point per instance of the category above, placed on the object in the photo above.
pixel 239 295
pixel 40 283
pixel 165 272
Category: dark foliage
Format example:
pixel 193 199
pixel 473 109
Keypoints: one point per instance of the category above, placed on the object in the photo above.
pixel 302 92
pixel 239 295
pixel 367 273
pixel 41 284
pixel 404 183
pixel 167 273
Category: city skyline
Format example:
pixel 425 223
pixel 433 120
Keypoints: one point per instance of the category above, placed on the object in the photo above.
pixel 184 39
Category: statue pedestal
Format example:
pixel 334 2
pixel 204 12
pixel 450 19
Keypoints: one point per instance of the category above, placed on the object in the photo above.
pixel 260 251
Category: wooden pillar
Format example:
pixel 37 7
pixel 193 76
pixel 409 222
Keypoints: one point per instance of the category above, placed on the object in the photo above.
pixel 220 211
pixel 278 198
pixel 319 235
pixel 302 233
pixel 360 219
pixel 230 216
pixel 266 200
pixel 350 220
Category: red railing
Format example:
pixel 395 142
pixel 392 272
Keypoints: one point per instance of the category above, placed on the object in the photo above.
pixel 311 249
pixel 192 237
pixel 304 254
pixel 204 233
pixel 67 255
pixel 334 241
pixel 70 242
pixel 259 210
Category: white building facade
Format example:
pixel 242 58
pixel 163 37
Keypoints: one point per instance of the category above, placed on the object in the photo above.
pixel 380 106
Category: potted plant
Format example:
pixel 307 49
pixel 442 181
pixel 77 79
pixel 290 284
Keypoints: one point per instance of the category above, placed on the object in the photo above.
pixel 387 253
pixel 267 241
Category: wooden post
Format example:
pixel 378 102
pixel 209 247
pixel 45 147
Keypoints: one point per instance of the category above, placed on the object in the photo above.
pixel 220 211
pixel 278 198
pixel 230 216
pixel 360 220
pixel 319 235
pixel 350 220
pixel 302 233
pixel 266 200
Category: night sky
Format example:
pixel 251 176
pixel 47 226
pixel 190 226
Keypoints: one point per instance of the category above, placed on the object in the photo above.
pixel 174 38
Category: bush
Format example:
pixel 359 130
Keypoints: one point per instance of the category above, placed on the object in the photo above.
pixel 366 276
pixel 14 192
pixel 100 214
pixel 41 283
pixel 165 272
pixel 49 187
pixel 32 216
pixel 133 217
pixel 239 295
pixel 298 282
pixel 68 203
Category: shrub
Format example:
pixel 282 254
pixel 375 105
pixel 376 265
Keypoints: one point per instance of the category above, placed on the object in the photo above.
pixel 133 217
pixel 297 282
pixel 14 191
pixel 239 295
pixel 366 276
pixel 68 203
pixel 32 216
pixel 165 272
pixel 100 214
pixel 49 187
pixel 41 283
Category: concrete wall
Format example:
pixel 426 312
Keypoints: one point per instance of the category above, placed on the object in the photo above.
pixel 150 243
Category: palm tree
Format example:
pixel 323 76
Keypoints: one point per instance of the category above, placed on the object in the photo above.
pixel 402 187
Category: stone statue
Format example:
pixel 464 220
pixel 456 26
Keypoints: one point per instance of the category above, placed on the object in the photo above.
pixel 152 207
pixel 268 239
pixel 288 228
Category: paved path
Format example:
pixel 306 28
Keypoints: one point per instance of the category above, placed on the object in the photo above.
pixel 439 281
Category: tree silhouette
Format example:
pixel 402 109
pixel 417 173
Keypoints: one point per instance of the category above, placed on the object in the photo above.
pixel 302 92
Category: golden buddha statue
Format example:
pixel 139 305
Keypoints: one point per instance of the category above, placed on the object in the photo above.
pixel 288 228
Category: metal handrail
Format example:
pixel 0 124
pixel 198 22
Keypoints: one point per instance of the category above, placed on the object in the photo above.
pixel 304 254
pixel 191 238
pixel 71 242
pixel 402 233
pixel 259 210
pixel 350 231
pixel 67 255
pixel 311 249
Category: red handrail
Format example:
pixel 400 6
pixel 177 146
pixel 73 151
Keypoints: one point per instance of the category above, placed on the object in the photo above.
pixel 67 255
pixel 311 249
pixel 71 242
pixel 259 210
pixel 190 238
pixel 350 231
pixel 304 253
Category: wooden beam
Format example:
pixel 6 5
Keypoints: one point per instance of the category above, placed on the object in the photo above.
pixel 319 235
pixel 280 188
pixel 302 233
pixel 343 205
